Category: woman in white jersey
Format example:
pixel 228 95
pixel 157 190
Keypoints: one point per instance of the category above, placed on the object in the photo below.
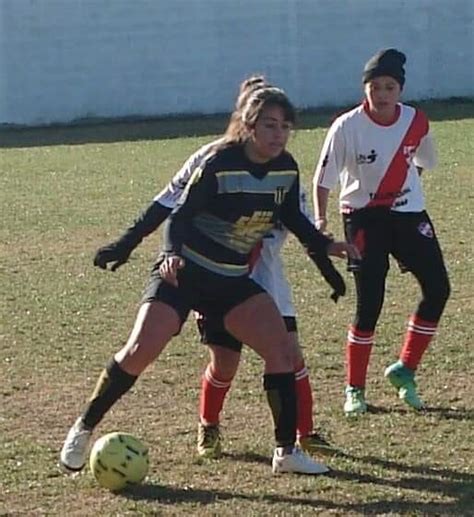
pixel 225 350
pixel 376 153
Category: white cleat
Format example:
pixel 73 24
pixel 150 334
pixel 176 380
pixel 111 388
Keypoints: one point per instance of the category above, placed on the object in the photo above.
pixel 296 461
pixel 75 448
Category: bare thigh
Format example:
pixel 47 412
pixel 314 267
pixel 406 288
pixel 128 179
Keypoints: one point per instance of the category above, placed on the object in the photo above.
pixel 258 323
pixel 155 325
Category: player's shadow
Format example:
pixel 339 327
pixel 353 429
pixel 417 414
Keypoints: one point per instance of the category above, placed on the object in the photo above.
pixel 173 496
pixel 445 413
pixel 450 413
pixel 446 482
pixel 424 470
pixel 458 486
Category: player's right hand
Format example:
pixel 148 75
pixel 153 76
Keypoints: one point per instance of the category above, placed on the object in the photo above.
pixel 111 253
pixel 169 269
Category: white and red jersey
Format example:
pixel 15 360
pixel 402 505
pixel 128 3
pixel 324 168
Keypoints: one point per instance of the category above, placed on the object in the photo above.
pixel 267 269
pixel 376 165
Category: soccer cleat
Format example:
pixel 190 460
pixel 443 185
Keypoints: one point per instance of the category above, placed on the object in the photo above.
pixel 296 461
pixel 315 443
pixel 75 448
pixel 209 441
pixel 403 380
pixel 355 401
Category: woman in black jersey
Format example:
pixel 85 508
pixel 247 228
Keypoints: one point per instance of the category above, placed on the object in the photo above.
pixel 247 184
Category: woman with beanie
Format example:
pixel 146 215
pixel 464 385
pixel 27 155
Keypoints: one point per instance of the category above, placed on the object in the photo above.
pixel 376 153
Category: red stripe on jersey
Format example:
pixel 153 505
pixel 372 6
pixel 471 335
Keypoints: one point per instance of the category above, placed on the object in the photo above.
pixel 255 255
pixel 397 171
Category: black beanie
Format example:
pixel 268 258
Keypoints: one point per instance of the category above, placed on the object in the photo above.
pixel 386 62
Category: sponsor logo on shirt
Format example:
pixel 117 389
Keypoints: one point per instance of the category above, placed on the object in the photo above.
pixel 279 195
pixel 366 158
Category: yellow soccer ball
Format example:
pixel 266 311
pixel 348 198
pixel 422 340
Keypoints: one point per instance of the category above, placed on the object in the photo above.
pixel 119 459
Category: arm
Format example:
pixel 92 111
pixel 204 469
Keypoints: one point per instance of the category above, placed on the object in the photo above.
pixel 163 203
pixel 316 244
pixel 425 156
pixel 326 174
pixel 120 250
pixel 320 196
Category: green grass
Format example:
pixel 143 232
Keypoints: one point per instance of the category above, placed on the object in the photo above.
pixel 66 191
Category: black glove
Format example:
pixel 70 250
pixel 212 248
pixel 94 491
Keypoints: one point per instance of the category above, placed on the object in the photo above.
pixel 338 284
pixel 120 250
pixel 330 274
pixel 115 252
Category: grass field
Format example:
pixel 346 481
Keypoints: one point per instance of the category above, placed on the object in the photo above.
pixel 66 191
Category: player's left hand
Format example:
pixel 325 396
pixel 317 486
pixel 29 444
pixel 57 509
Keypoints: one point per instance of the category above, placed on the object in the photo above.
pixel 343 249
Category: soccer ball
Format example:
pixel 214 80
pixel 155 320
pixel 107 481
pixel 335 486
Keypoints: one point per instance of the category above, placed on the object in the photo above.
pixel 118 459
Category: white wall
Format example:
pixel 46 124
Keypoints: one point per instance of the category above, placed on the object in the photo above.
pixel 62 60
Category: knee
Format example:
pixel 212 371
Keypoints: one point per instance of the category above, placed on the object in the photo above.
pixel 435 297
pixel 366 317
pixel 297 358
pixel 439 291
pixel 445 291
pixel 281 356
pixel 224 362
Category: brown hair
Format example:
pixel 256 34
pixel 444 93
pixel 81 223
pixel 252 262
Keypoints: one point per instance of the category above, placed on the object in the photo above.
pixel 248 86
pixel 246 89
pixel 238 130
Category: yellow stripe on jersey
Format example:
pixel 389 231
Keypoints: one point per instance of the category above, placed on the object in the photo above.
pixel 220 268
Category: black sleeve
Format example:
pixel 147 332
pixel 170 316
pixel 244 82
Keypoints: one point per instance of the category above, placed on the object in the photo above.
pixel 148 221
pixel 314 242
pixel 297 222
pixel 200 189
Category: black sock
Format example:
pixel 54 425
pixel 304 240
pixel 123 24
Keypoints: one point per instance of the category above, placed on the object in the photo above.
pixel 112 384
pixel 281 396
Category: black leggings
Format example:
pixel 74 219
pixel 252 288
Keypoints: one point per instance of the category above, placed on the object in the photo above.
pixel 410 238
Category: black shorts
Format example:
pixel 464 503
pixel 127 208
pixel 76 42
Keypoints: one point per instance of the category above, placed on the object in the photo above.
pixel 213 332
pixel 200 290
pixel 411 239
pixel 379 232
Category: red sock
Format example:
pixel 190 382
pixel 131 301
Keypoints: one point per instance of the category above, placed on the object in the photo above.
pixel 213 392
pixel 358 348
pixel 304 402
pixel 417 339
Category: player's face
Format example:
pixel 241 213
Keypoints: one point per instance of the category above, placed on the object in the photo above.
pixel 270 135
pixel 382 94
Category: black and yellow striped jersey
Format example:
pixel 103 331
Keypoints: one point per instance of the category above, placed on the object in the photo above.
pixel 228 206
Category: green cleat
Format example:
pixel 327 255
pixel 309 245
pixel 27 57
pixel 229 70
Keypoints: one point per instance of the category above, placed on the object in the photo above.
pixel 355 401
pixel 403 380
pixel 209 441
pixel 314 443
